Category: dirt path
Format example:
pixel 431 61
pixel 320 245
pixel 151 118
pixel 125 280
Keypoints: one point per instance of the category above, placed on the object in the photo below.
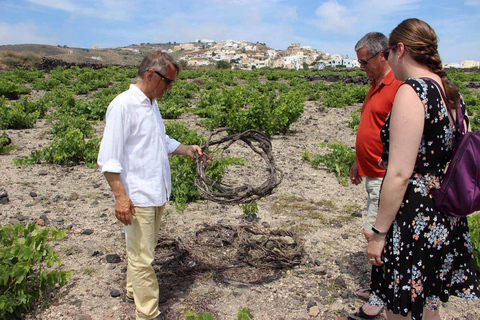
pixel 309 201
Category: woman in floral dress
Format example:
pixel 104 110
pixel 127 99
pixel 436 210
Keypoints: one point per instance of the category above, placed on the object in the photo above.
pixel 420 256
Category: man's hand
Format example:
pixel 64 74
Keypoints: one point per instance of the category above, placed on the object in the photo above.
pixel 123 204
pixel 355 178
pixel 123 207
pixel 382 164
pixel 188 150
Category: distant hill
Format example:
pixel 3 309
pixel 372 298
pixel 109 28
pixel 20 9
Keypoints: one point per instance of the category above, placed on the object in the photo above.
pixel 239 54
pixel 110 56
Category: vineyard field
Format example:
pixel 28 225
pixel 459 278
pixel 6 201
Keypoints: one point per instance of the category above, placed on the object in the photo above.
pixel 55 120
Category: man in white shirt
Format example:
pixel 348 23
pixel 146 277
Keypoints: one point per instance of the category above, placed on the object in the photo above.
pixel 133 157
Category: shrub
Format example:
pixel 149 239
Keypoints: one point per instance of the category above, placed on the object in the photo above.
pixel 474 225
pixel 340 94
pixel 249 209
pixel 25 259
pixel 174 101
pixel 15 116
pixel 70 147
pixel 169 110
pixel 30 106
pixel 242 314
pixel 355 122
pixel 64 123
pixel 5 145
pixel 247 107
pixel 222 64
pixel 12 89
pixel 339 160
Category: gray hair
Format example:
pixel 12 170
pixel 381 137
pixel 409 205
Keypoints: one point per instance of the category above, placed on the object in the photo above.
pixel 374 42
pixel 157 61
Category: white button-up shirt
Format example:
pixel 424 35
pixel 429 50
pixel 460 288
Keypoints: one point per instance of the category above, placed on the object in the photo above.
pixel 135 145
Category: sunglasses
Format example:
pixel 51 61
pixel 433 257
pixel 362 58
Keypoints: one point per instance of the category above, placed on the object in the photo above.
pixel 386 51
pixel 169 82
pixel 365 61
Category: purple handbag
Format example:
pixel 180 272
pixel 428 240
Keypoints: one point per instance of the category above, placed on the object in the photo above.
pixel 459 192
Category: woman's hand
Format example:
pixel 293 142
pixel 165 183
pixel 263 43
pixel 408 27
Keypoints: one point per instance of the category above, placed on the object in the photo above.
pixel 375 249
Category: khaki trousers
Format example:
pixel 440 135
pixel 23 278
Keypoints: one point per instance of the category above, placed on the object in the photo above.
pixel 372 186
pixel 141 237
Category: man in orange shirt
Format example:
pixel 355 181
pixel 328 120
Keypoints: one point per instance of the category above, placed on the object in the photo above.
pixel 368 147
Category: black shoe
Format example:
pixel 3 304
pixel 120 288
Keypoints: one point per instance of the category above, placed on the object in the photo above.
pixel 162 299
pixel 159 317
pixel 129 300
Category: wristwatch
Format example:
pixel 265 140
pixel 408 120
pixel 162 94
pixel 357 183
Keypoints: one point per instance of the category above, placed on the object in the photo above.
pixel 380 233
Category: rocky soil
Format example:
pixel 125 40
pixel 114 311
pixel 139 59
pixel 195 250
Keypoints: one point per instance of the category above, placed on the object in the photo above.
pixel 328 217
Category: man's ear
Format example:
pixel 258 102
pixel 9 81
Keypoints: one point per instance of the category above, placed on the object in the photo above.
pixel 149 75
pixel 383 56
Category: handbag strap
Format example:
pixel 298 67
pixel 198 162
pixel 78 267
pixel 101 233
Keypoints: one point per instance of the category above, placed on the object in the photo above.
pixel 460 117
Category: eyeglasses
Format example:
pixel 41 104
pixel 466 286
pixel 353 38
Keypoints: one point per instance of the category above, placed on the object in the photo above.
pixel 169 82
pixel 386 51
pixel 365 62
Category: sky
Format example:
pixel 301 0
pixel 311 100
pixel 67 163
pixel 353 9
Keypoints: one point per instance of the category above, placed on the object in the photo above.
pixel 333 26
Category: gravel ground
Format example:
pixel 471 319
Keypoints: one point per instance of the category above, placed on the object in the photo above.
pixel 310 201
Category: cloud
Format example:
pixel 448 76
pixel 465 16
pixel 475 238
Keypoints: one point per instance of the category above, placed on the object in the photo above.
pixel 23 33
pixel 455 41
pixel 120 10
pixel 55 4
pixel 335 17
pixel 472 3
pixel 268 21
pixel 357 17
pixel 185 28
pixel 250 11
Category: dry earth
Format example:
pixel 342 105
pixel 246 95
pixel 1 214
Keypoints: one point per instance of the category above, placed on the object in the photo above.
pixel 309 201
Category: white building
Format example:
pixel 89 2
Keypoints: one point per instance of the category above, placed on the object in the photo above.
pixel 470 64
pixel 351 63
pixel 198 62
pixel 271 53
pixel 204 40
pixel 452 65
pixel 340 61
pixel 293 62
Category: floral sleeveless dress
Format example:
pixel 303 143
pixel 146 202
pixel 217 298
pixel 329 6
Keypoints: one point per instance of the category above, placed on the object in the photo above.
pixel 428 256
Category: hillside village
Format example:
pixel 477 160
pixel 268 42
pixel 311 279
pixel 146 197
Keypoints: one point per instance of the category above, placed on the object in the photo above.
pixel 247 55
pixel 201 54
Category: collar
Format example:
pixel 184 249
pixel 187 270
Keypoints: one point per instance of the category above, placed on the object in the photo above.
pixel 389 78
pixel 139 94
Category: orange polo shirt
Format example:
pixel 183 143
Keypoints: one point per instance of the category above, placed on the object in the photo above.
pixel 377 105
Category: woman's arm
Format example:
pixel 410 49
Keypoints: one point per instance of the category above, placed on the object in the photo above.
pixel 406 130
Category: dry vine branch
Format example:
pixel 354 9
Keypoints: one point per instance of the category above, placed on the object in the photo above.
pixel 270 249
pixel 223 193
pixel 254 246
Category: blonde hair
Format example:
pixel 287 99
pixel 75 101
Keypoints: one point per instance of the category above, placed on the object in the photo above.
pixel 421 43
